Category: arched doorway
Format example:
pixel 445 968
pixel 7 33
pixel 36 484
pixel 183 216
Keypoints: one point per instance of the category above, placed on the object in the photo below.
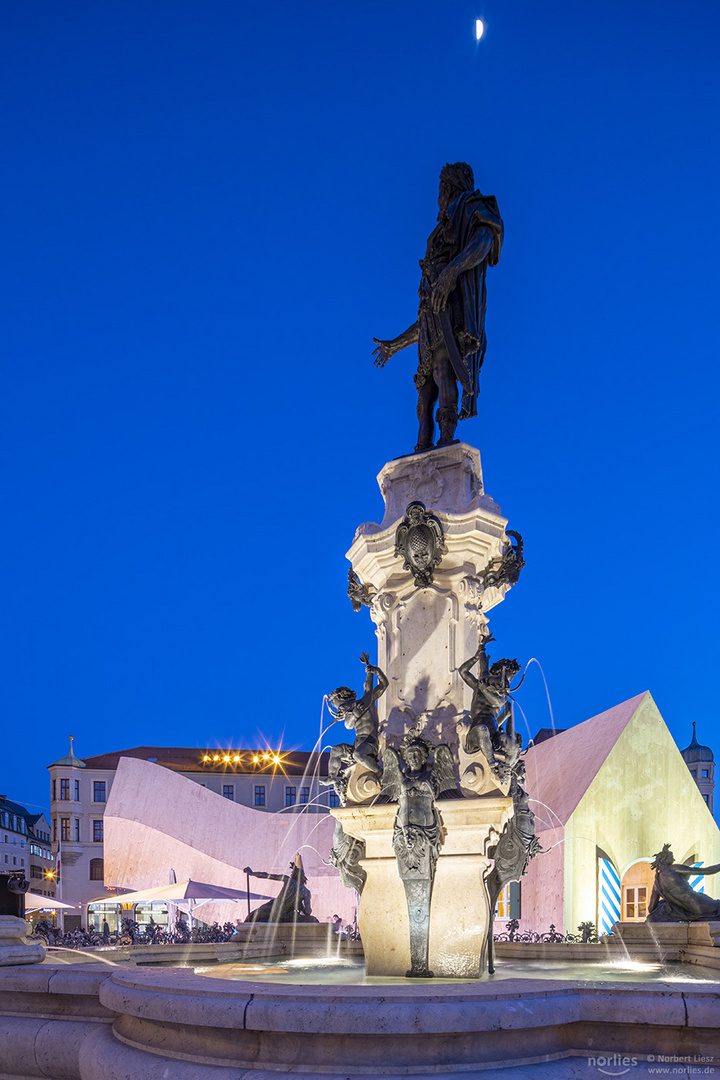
pixel 635 889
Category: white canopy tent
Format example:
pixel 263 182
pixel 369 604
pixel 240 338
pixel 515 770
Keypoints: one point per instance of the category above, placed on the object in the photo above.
pixel 192 893
pixel 35 902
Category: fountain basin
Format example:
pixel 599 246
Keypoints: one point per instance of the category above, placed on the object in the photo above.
pixel 197 1027
pixel 95 1023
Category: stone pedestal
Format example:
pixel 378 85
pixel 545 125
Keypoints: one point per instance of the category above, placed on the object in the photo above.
pixel 459 910
pixel 424 634
pixel 14 948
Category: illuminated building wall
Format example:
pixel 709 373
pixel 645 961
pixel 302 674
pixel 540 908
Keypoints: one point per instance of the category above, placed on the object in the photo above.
pixel 607 794
pixel 267 780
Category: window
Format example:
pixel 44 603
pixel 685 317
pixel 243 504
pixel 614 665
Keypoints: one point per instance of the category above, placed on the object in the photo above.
pixel 259 799
pixel 705 774
pixel 64 790
pixel 77 791
pixel 64 828
pixel 6 858
pixel 54 792
pixel 98 831
pixel 54 828
pixel 35 871
pixel 14 861
pixel 635 903
pixel 97 870
pixel 304 795
pixel 99 791
pixel 707 800
pixel 229 792
pixel 77 829
pixel 290 796
pixel 333 799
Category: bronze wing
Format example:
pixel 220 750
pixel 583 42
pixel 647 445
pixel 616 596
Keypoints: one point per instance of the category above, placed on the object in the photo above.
pixel 443 773
pixel 392 774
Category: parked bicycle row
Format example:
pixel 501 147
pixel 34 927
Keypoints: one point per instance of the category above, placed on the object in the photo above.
pixel 130 934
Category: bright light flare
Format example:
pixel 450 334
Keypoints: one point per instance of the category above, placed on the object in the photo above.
pixel 479 29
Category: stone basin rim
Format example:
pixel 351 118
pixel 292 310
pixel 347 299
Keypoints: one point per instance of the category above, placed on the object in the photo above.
pixel 438 991
pixel 338 1010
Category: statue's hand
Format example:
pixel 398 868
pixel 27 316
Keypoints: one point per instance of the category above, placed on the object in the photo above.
pixel 364 658
pixel 385 349
pixel 442 289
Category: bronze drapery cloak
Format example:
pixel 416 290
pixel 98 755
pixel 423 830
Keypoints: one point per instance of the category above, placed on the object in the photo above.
pixel 462 323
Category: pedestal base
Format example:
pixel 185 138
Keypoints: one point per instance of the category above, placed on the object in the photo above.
pixel 14 949
pixel 459 909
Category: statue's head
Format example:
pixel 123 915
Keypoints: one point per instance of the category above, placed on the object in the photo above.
pixel 504 670
pixel 663 858
pixel 415 750
pixel 415 756
pixel 341 701
pixel 454 179
pixel 296 868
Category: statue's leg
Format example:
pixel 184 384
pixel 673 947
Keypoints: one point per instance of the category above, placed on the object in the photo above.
pixel 479 738
pixel 336 759
pixel 427 396
pixel 365 753
pixel 447 414
pixel 341 757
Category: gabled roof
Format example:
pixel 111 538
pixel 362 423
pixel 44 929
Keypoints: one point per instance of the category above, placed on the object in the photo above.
pixel 560 770
pixel 193 759
pixel 14 808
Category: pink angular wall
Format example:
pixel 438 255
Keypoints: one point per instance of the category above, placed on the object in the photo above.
pixel 156 820
pixel 542 890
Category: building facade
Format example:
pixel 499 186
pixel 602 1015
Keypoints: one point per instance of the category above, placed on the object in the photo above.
pixel 160 827
pixel 607 795
pixel 267 781
pixel 25 846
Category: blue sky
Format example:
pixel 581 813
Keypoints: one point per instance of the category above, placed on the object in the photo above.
pixel 208 210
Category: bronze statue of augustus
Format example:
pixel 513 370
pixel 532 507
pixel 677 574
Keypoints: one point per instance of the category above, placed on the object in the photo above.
pixel 450 328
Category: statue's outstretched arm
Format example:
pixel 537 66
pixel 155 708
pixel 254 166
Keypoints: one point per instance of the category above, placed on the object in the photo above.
pixel 386 349
pixel 382 682
pixel 505 714
pixel 371 693
pixel 683 868
pixel 264 874
pixel 465 672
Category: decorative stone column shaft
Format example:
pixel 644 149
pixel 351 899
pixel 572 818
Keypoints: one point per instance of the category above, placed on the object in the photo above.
pixel 425 633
